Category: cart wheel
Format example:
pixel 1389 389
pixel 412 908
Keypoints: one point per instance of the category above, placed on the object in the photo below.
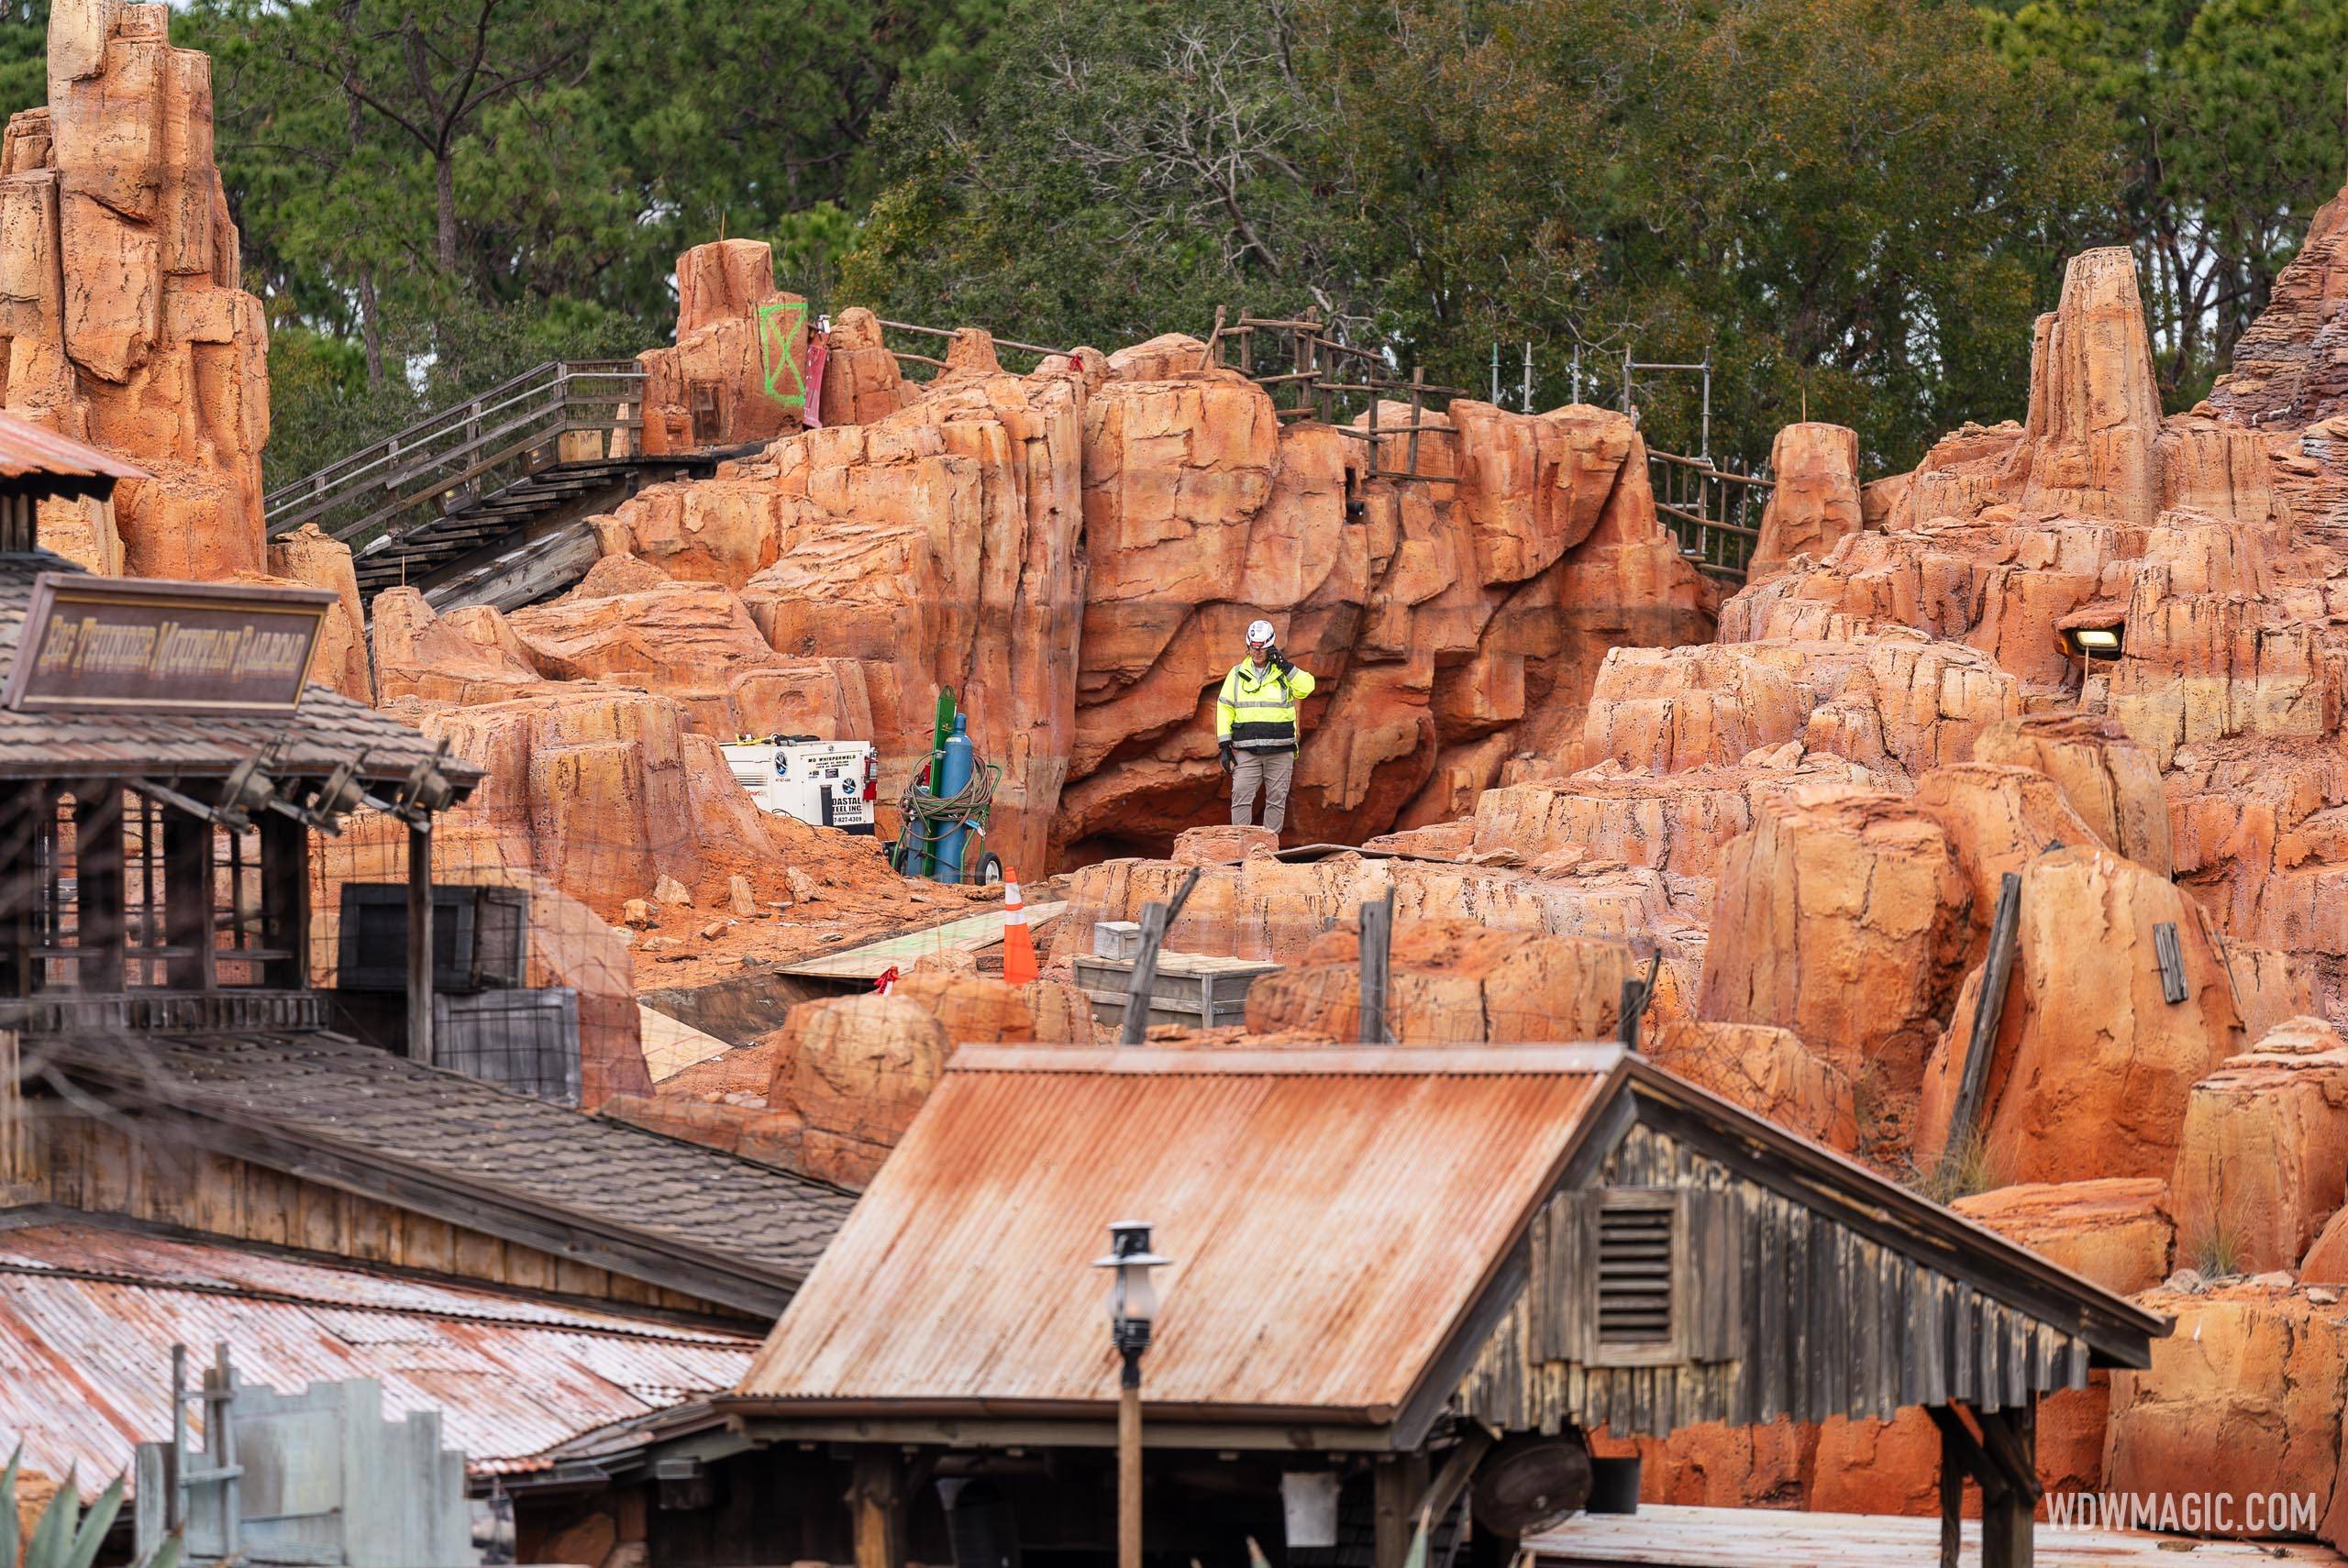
pixel 989 870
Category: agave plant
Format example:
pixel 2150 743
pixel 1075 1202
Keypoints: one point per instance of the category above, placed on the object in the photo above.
pixel 65 1537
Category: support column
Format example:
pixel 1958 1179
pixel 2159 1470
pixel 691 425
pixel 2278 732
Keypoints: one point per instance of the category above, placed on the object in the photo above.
pixel 1954 1470
pixel 21 838
pixel 1398 1487
pixel 2007 1529
pixel 2004 1460
pixel 419 946
pixel 187 899
pixel 876 1507
pixel 286 902
pixel 97 888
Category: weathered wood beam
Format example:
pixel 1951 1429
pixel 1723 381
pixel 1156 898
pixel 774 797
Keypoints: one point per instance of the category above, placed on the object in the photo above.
pixel 1956 1437
pixel 1988 1011
pixel 1399 1484
pixel 876 1509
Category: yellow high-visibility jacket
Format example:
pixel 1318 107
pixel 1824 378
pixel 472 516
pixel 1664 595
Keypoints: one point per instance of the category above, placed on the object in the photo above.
pixel 1256 709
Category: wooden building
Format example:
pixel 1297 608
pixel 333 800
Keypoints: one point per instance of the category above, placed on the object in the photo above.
pixel 1400 1278
pixel 168 1079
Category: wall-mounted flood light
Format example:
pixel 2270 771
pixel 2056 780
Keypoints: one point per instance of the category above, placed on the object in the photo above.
pixel 2091 641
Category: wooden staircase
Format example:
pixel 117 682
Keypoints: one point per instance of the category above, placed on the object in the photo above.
pixel 486 503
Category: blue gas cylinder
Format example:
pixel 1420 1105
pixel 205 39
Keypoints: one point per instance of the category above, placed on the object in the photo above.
pixel 954 769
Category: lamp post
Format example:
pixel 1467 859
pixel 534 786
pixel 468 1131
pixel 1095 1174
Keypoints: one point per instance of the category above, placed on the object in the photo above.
pixel 1133 1307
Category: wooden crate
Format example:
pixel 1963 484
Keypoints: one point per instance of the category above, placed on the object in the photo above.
pixel 1199 990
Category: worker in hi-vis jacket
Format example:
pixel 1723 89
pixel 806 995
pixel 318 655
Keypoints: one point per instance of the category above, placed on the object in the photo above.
pixel 1256 729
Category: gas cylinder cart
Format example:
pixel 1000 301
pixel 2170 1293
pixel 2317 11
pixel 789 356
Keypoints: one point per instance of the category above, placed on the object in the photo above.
pixel 945 810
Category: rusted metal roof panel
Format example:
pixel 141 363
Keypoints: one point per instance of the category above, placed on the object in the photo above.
pixel 1331 1214
pixel 26 448
pixel 88 1316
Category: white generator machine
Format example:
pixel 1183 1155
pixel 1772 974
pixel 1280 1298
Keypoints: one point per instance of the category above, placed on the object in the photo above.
pixel 824 783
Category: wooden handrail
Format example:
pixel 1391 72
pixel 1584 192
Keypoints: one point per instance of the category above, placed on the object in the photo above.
pixel 366 491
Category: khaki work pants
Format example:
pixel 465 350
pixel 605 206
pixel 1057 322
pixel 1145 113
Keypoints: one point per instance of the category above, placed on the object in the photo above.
pixel 1272 770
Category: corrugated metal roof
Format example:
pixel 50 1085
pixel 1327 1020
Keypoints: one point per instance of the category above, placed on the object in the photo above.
pixel 1330 1215
pixel 88 1316
pixel 26 448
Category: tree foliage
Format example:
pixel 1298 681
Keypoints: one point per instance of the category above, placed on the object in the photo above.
pixel 2228 120
pixel 1851 208
pixel 1854 199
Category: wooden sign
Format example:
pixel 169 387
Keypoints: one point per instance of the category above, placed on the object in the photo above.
pixel 110 642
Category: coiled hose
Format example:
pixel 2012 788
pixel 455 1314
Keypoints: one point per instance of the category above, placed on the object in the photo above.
pixel 927 819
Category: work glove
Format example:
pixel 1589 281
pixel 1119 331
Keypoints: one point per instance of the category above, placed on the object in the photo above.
pixel 1228 756
pixel 1281 662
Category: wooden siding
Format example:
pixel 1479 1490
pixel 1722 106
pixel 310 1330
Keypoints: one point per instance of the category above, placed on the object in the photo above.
pixel 103 1168
pixel 1823 1321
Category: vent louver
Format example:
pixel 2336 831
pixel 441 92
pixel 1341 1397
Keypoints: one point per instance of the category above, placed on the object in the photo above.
pixel 1634 1275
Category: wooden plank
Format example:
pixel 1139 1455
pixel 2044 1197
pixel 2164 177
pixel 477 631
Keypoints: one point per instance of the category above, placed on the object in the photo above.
pixel 1989 1010
pixel 871 960
pixel 1376 938
pixel 1666 1536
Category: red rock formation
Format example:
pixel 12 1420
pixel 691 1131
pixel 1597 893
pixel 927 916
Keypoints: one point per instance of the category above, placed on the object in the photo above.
pixel 697 642
pixel 2106 776
pixel 2245 1394
pixel 1448 625
pixel 1998 819
pixel 121 322
pixel 1275 908
pixel 738 370
pixel 1458 982
pixel 2264 1157
pixel 1768 1071
pixel 2092 1066
pixel 861 383
pixel 2327 1261
pixel 1716 1467
pixel 1815 504
pixel 959 516
pixel 1845 921
pixel 307 556
pixel 2117 1231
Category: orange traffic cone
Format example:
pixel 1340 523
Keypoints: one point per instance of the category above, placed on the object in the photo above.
pixel 1019 964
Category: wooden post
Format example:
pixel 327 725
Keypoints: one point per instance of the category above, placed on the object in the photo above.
pixel 2010 1437
pixel 97 887
pixel 1989 1009
pixel 285 901
pixel 1377 950
pixel 1154 920
pixel 187 899
pixel 876 1507
pixel 419 943
pixel 1398 1487
pixel 1952 1498
pixel 2004 1460
pixel 28 810
pixel 1417 414
pixel 1128 1471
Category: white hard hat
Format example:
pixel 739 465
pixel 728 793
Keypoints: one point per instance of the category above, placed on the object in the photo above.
pixel 1259 634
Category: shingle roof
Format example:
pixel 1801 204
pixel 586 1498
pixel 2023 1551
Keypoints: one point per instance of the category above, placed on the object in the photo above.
pixel 745 1232
pixel 326 729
